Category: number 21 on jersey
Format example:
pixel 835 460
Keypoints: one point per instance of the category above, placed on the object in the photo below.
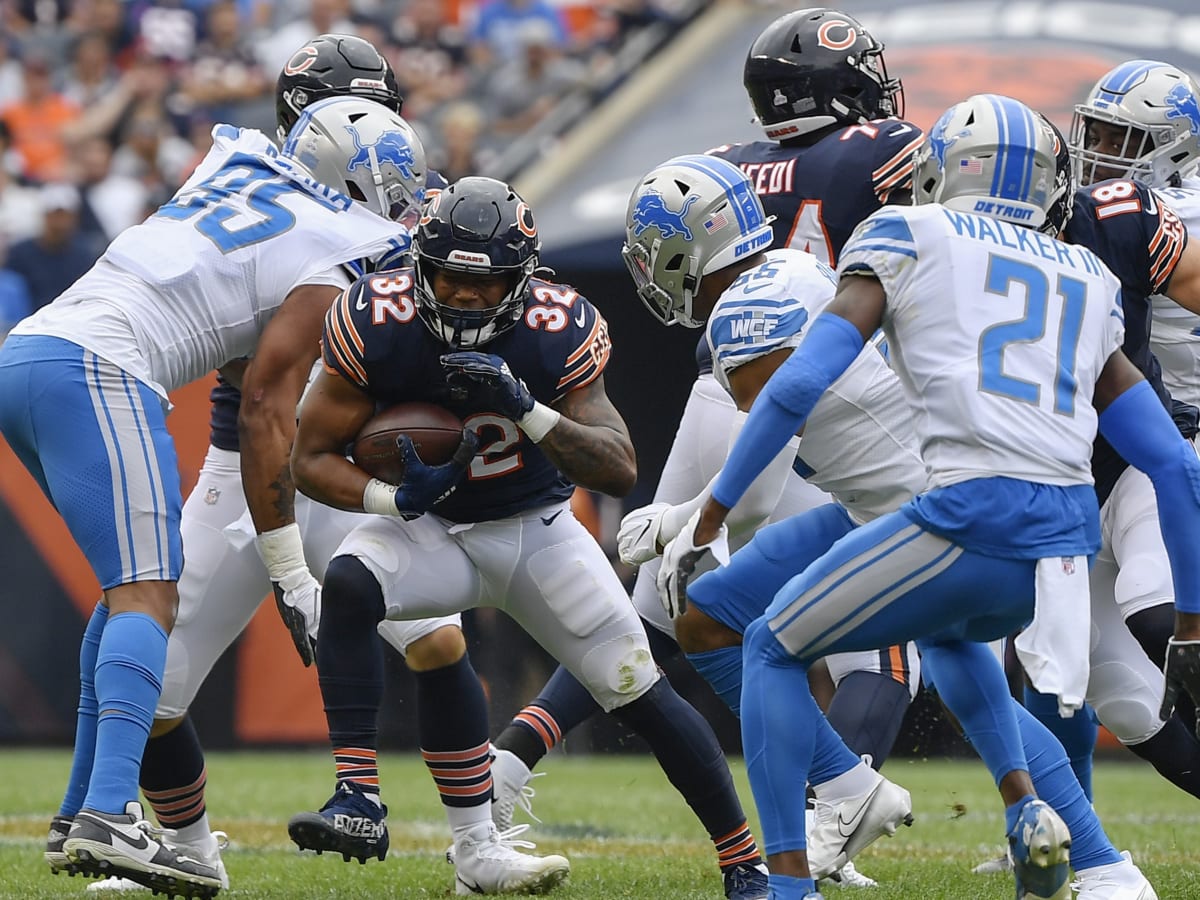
pixel 1003 276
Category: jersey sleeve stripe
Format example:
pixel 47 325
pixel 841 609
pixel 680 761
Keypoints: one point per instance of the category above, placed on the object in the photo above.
pixel 341 350
pixel 1165 251
pixel 587 342
pixel 897 171
pixel 592 356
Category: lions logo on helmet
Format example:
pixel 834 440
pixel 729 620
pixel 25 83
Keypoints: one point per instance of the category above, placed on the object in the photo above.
pixel 677 229
pixel 389 147
pixel 1181 104
pixel 651 211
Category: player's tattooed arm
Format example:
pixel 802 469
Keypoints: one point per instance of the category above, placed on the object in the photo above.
pixel 271 388
pixel 590 444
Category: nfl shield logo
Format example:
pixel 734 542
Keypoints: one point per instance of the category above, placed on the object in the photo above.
pixel 212 495
pixel 1068 564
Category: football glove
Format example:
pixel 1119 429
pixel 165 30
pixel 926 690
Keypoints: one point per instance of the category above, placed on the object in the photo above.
pixel 680 558
pixel 1182 671
pixel 425 486
pixel 637 538
pixel 485 381
pixel 297 593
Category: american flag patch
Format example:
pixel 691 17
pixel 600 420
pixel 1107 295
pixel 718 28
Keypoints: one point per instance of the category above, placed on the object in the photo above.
pixel 718 220
pixel 970 166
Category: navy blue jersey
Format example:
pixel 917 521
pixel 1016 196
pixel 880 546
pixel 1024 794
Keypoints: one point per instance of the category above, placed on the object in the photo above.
pixel 1140 239
pixel 375 339
pixel 820 192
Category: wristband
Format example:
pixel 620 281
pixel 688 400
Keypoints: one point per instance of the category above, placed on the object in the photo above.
pixel 538 422
pixel 379 498
pixel 282 551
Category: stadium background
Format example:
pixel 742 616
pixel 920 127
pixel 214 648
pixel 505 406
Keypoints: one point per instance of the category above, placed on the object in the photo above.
pixel 635 83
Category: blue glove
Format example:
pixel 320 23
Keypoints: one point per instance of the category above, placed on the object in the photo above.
pixel 484 380
pixel 425 486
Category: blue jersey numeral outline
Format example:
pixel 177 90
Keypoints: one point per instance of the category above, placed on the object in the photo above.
pixel 1003 273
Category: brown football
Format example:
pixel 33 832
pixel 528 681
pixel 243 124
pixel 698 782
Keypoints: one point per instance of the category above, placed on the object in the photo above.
pixel 435 433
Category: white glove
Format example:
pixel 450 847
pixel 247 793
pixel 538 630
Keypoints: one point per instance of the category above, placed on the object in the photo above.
pixel 680 558
pixel 297 593
pixel 637 538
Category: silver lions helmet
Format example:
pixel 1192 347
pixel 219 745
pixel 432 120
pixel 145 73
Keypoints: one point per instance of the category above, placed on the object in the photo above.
pixel 363 149
pixel 1141 120
pixel 990 155
pixel 687 218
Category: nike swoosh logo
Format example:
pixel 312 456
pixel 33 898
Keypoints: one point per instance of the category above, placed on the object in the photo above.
pixel 847 827
pixel 547 520
pixel 140 844
pixel 581 318
pixel 361 303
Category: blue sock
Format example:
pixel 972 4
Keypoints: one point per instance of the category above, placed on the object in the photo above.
pixel 785 738
pixel 1077 734
pixel 1012 811
pixel 1056 784
pixel 971 683
pixel 129 670
pixel 785 887
pixel 85 720
pixel 722 668
pixel 537 729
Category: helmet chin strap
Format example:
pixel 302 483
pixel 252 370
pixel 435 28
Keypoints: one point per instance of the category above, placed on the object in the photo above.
pixel 377 180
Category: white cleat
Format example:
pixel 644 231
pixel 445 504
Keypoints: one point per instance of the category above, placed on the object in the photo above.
pixel 998 865
pixel 1116 881
pixel 208 852
pixel 486 862
pixel 848 876
pixel 510 788
pixel 841 830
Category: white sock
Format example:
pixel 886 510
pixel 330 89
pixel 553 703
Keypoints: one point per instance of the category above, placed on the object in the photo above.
pixel 465 819
pixel 198 835
pixel 853 783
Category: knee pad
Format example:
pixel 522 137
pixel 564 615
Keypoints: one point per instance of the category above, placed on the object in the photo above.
pixel 619 671
pixel 1125 704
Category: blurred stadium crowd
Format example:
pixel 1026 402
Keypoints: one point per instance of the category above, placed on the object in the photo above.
pixel 107 105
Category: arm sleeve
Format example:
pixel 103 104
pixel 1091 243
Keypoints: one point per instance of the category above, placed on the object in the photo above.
pixel 1140 430
pixel 785 402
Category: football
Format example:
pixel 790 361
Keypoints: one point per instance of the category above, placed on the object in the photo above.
pixel 435 433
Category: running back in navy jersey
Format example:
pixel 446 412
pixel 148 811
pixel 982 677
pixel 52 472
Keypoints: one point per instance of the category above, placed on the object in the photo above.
pixel 374 338
pixel 1140 239
pixel 818 193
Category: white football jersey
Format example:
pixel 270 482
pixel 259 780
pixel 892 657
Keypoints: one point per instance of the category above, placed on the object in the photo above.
pixel 858 442
pixel 1175 332
pixel 998 334
pixel 194 285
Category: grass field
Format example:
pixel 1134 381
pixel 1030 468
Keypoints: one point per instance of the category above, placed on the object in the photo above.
pixel 627 833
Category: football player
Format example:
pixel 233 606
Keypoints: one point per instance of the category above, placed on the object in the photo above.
pixel 521 361
pixel 226 581
pixel 835 152
pixel 1137 123
pixel 1025 534
pixel 192 289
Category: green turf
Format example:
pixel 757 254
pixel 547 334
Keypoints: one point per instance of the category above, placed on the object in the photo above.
pixel 628 835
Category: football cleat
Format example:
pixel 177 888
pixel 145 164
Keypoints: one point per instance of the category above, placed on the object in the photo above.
pixel 995 866
pixel 207 851
pixel 349 823
pixel 510 788
pixel 841 830
pixel 1040 848
pixel 848 876
pixel 486 861
pixel 746 881
pixel 127 846
pixel 1116 881
pixel 56 857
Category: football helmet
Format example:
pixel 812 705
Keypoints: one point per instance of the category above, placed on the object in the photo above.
pixel 990 155
pixel 687 218
pixel 1062 198
pixel 362 149
pixel 1153 110
pixel 332 65
pixel 818 67
pixel 476 226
